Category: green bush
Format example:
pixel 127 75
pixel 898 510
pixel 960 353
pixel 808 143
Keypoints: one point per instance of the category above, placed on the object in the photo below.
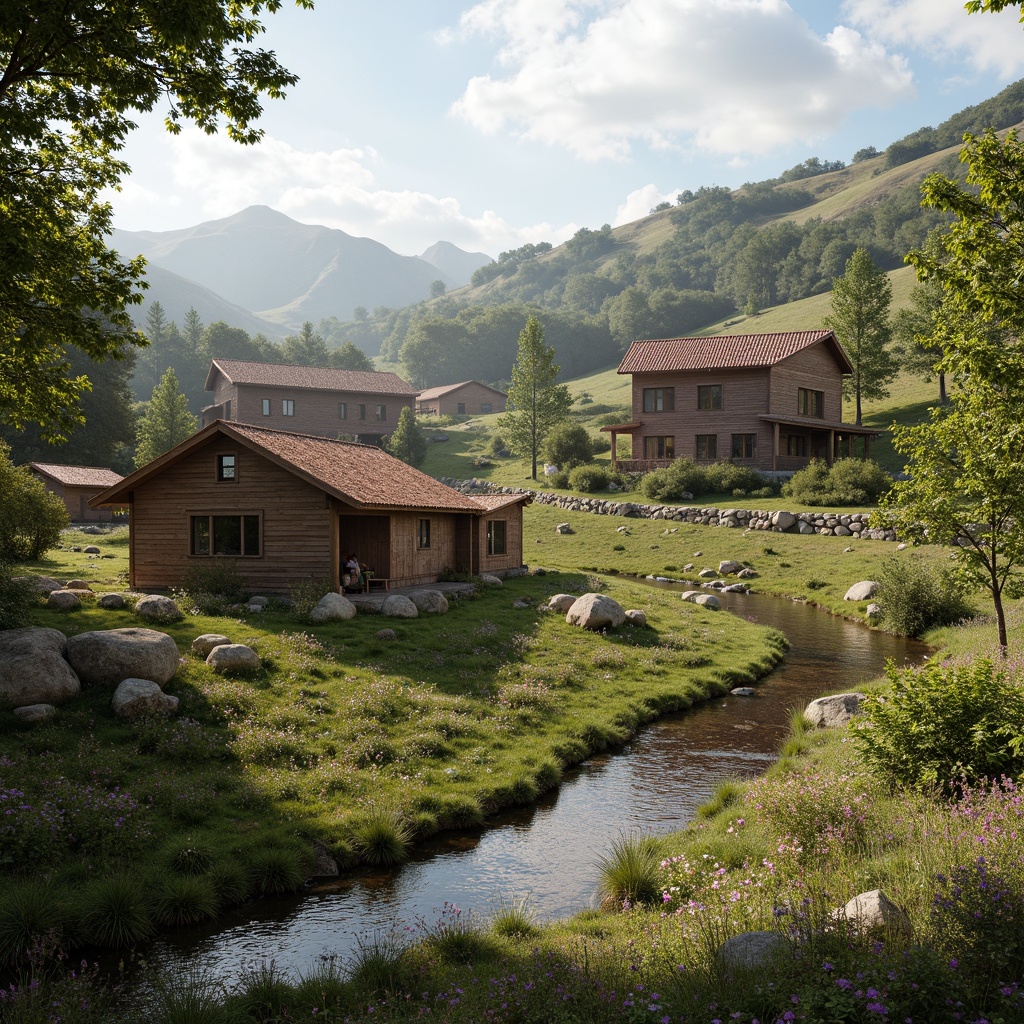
pixel 17 596
pixel 31 518
pixel 846 482
pixel 942 726
pixel 218 577
pixel 915 598
pixel 728 478
pixel 560 481
pixel 568 445
pixel 683 476
pixel 588 479
pixel 306 595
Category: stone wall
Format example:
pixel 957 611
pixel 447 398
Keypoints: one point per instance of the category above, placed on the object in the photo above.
pixel 826 524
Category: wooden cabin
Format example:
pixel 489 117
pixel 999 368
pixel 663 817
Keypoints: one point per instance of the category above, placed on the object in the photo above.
pixel 76 486
pixel 470 398
pixel 359 404
pixel 769 401
pixel 289 507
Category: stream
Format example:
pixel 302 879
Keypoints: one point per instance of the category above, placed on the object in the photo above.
pixel 549 852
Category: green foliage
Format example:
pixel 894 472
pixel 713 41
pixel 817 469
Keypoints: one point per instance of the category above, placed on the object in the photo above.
pixel 568 445
pixel 630 872
pixel 408 442
pixel 275 870
pixel 29 912
pixel 306 595
pixel 17 597
pixel 943 726
pixel 683 476
pixel 514 919
pixel 186 899
pixel 165 422
pixel 588 479
pixel 845 482
pixel 116 911
pixel 31 518
pixel 381 835
pixel 218 577
pixel 915 598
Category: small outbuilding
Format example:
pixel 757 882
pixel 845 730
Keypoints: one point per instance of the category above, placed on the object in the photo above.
pixel 75 486
pixel 289 507
pixel 470 398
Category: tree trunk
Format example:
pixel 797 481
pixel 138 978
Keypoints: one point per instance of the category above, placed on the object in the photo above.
pixel 997 599
pixel 943 400
pixel 857 420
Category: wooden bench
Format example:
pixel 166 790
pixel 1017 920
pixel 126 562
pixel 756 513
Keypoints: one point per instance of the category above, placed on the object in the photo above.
pixel 381 581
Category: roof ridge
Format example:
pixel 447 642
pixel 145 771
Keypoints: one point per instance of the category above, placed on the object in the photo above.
pixel 293 433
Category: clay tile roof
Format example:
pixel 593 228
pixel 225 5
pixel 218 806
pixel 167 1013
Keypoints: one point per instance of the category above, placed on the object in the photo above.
pixel 78 476
pixel 320 378
pixel 445 389
pixel 721 352
pixel 493 502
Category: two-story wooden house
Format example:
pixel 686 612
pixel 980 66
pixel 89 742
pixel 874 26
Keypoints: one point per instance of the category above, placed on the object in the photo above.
pixel 770 401
pixel 470 398
pixel 359 404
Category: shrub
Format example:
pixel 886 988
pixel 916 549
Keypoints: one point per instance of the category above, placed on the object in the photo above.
pixel 559 480
pixel 846 482
pixel 31 518
pixel 942 726
pixel 306 594
pixel 728 478
pixel 568 445
pixel 219 577
pixel 588 479
pixel 915 598
pixel 17 596
pixel 670 483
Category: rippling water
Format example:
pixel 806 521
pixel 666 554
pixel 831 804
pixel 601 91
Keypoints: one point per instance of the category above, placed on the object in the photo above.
pixel 550 851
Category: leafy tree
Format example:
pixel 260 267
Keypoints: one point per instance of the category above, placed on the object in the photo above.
pixel 31 518
pixel 221 341
pixel 568 445
pixel 71 74
pixel 914 330
pixel 349 357
pixel 307 348
pixel 860 318
pixel 408 442
pixel 535 402
pixel 165 422
pixel 437 288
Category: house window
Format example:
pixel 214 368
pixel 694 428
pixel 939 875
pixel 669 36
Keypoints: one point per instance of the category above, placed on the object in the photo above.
pixel 287 407
pixel 266 406
pixel 707 447
pixel 496 536
pixel 810 403
pixel 709 396
pixel 796 444
pixel 382 413
pixel 226 467
pixel 231 536
pixel 462 409
pixel 342 410
pixel 362 411
pixel 744 446
pixel 659 447
pixel 659 399
pixel 485 408
pixel 423 534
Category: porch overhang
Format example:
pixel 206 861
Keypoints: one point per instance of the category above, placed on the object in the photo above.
pixel 837 432
pixel 615 429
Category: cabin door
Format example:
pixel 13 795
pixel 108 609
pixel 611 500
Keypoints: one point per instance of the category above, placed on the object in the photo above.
pixel 369 538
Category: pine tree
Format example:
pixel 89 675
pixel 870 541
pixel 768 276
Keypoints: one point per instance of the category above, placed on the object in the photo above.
pixel 407 442
pixel 536 403
pixel 165 421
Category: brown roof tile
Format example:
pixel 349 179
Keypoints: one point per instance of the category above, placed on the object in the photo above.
pixel 78 476
pixel 445 389
pixel 493 502
pixel 320 378
pixel 722 352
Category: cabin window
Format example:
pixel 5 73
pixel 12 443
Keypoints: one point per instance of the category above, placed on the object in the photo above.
pixel 810 403
pixel 362 411
pixel 461 409
pixel 659 399
pixel 423 534
pixel 231 536
pixel 709 396
pixel 659 447
pixel 485 408
pixel 796 444
pixel 744 446
pixel 496 536
pixel 226 467
pixel 287 407
pixel 266 406
pixel 707 447
pixel 382 413
pixel 342 410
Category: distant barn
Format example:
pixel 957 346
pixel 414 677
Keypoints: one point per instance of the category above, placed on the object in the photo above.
pixel 470 398
pixel 75 485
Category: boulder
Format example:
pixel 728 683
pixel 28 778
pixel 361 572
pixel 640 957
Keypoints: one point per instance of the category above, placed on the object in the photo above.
pixel 44 584
pixel 746 574
pixel 136 697
pixel 91 549
pixel 596 611
pixel 862 591
pixel 105 657
pixel 111 601
pixel 834 710
pixel 386 634
pixel 564 528
pixel 33 714
pixel 743 691
pixel 691 595
pixel 77 585
pixel 636 617
pixel 708 601
pixel 398 606
pixel 707 574
pixel 260 600
pixel 873 614
pixel 874 914
pixel 332 608
pixel 750 950
pixel 728 568
pixel 64 601
pixel 561 602
pixel 432 602
pixel 157 608
pixel 324 865
pixel 202 645
pixel 782 520
pixel 229 659
pixel 489 580
pixel 33 669
pixel 522 602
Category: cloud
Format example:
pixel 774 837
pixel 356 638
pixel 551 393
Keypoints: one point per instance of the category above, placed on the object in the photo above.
pixel 336 188
pixel 730 77
pixel 640 202
pixel 942 29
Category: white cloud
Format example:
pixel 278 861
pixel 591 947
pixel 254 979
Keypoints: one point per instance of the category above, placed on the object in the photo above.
pixel 730 77
pixel 941 28
pixel 640 202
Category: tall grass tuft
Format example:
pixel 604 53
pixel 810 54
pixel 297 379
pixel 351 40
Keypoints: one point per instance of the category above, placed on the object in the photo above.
pixel 28 912
pixel 725 795
pixel 275 870
pixel 378 965
pixel 230 882
pixel 323 987
pixel 455 937
pixel 191 996
pixel 514 919
pixel 186 899
pixel 268 993
pixel 381 835
pixel 631 872
pixel 116 911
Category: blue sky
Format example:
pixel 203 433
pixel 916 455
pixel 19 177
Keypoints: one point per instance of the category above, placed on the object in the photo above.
pixel 501 122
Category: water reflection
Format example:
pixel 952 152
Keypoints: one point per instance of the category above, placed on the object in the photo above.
pixel 550 851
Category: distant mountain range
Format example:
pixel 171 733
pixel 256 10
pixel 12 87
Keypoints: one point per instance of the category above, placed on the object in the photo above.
pixel 260 270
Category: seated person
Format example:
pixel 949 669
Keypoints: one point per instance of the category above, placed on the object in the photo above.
pixel 354 573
